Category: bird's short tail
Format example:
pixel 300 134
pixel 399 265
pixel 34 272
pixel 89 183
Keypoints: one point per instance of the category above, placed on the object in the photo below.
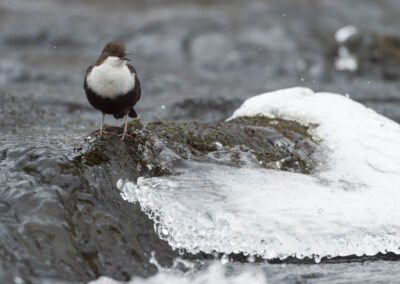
pixel 132 113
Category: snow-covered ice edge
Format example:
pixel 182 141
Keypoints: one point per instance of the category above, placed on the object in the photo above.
pixel 349 206
pixel 365 145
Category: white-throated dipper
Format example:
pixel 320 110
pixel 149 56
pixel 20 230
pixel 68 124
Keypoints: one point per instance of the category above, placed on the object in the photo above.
pixel 112 86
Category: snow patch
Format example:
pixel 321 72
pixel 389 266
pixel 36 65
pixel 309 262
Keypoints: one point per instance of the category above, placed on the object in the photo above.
pixel 348 206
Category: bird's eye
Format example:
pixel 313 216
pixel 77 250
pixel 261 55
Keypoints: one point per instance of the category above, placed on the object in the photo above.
pixel 123 57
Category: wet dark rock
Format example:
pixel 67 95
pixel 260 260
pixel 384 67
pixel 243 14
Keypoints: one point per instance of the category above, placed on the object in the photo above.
pixel 377 54
pixel 62 214
pixel 64 219
pixel 384 52
pixel 153 147
pixel 200 109
pixel 28 36
pixel 256 141
pixel 16 112
pixel 21 117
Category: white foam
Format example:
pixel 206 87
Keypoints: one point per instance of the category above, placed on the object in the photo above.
pixel 216 273
pixel 349 206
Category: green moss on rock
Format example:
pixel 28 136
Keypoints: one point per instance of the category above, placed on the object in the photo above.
pixel 271 142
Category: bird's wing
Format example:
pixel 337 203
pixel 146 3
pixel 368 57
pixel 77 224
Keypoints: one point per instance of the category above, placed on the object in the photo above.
pixel 87 73
pixel 137 82
pixel 132 69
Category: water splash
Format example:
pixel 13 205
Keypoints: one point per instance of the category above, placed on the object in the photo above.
pixel 216 273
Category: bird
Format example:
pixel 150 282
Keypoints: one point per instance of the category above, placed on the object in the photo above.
pixel 112 85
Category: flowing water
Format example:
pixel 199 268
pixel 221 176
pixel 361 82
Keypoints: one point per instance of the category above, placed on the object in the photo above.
pixel 198 60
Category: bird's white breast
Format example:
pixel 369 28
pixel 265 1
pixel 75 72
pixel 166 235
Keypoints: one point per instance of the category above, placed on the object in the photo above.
pixel 111 79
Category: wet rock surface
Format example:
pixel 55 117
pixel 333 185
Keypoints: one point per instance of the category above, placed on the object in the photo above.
pixel 246 141
pixel 63 217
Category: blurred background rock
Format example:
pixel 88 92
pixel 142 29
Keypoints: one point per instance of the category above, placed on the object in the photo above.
pixel 189 53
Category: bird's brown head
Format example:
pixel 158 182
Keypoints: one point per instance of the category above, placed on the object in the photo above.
pixel 115 49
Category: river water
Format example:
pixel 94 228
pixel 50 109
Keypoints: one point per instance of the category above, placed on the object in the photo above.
pixel 197 60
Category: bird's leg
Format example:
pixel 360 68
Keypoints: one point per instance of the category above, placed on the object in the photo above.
pixel 102 124
pixel 101 131
pixel 125 127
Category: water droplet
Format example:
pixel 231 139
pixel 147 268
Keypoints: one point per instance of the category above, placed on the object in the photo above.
pixel 317 258
pixel 224 259
pixel 218 144
pixel 120 184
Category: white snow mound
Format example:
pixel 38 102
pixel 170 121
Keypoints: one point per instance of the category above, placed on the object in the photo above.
pixel 350 205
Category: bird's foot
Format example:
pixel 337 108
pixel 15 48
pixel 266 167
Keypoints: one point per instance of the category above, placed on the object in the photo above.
pixel 124 134
pixel 100 132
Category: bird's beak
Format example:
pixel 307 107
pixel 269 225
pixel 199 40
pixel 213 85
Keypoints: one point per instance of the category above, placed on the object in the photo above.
pixel 126 58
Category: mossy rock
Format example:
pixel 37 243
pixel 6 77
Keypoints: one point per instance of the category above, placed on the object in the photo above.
pixel 269 142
